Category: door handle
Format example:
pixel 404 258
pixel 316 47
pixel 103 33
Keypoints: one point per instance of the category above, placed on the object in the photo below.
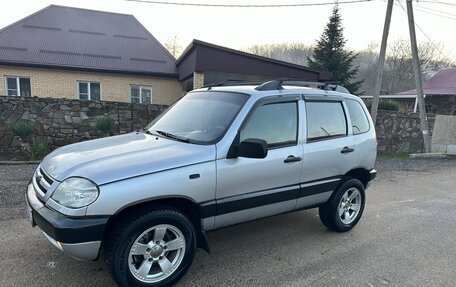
pixel 292 158
pixel 347 150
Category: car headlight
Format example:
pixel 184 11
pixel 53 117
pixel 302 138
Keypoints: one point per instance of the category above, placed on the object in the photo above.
pixel 75 192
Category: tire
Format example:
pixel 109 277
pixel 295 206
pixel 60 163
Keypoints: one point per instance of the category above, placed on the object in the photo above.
pixel 139 250
pixel 333 214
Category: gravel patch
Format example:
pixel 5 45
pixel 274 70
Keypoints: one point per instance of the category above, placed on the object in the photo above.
pixel 13 184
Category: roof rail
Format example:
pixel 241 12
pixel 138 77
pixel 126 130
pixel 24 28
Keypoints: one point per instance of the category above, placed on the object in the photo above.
pixel 278 85
pixel 233 83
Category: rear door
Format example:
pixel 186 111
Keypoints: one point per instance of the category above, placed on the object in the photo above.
pixel 328 150
pixel 363 134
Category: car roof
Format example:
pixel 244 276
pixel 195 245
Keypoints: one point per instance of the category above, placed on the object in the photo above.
pixel 286 90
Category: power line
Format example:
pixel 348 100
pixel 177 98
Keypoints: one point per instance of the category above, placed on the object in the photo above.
pixel 432 13
pixel 437 11
pixel 439 2
pixel 429 39
pixel 248 5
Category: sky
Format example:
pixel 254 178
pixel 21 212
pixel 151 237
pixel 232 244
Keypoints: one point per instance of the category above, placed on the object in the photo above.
pixel 240 28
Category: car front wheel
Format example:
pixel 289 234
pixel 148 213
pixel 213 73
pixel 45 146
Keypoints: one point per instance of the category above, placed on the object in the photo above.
pixel 154 248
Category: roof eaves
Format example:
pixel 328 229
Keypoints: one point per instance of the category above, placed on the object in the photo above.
pixel 88 69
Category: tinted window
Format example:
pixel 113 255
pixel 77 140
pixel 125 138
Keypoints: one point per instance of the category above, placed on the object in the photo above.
pixel 277 124
pixel 325 120
pixel 358 117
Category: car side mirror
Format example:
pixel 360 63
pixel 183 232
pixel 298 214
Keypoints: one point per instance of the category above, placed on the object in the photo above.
pixel 253 148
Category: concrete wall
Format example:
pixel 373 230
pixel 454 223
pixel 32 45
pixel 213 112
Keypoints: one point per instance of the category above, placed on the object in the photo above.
pixel 62 121
pixel 114 87
pixel 444 137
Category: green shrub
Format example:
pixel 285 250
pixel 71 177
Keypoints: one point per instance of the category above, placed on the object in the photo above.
pixel 386 105
pixel 38 149
pixel 105 124
pixel 23 128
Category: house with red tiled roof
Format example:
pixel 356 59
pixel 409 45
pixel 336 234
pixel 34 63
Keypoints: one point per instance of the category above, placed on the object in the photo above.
pixel 439 91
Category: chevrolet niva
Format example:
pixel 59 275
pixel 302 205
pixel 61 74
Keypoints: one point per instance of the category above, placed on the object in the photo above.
pixel 221 155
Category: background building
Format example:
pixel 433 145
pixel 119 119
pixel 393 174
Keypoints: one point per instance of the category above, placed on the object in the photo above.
pixel 74 53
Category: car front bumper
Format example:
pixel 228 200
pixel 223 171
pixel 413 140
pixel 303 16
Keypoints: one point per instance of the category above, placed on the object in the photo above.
pixel 78 237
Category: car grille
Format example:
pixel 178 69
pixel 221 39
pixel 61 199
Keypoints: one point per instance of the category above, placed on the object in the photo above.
pixel 43 181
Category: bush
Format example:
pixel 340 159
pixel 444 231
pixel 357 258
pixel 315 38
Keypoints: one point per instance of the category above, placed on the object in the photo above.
pixel 38 149
pixel 23 128
pixel 105 124
pixel 386 105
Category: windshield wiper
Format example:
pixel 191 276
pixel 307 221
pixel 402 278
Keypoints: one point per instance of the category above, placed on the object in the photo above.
pixel 172 136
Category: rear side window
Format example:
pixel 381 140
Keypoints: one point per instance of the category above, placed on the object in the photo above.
pixel 325 120
pixel 276 123
pixel 358 117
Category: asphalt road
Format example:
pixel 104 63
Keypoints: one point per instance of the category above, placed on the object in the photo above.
pixel 405 238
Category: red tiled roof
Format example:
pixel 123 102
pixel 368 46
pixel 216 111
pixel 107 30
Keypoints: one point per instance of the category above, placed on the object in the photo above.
pixel 442 83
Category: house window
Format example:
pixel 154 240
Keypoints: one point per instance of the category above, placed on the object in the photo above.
pixel 17 86
pixel 89 91
pixel 141 94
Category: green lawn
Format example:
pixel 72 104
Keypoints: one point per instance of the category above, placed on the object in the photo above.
pixel 392 155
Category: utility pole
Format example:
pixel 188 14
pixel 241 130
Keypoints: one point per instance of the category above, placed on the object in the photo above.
pixel 418 82
pixel 381 62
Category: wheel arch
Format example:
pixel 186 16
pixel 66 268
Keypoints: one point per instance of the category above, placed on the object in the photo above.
pixel 362 174
pixel 187 206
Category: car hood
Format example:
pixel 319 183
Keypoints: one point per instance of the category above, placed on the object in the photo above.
pixel 115 158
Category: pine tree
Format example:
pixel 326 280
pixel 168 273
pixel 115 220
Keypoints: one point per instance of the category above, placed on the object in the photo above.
pixel 330 54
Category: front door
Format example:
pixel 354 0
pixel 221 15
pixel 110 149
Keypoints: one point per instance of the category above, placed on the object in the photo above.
pixel 248 188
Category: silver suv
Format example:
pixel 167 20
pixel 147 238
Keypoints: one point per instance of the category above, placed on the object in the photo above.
pixel 220 156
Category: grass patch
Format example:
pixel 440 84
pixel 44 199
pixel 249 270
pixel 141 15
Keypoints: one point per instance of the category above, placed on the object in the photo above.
pixel 38 150
pixel 392 155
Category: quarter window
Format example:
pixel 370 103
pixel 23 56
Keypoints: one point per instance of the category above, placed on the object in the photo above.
pixel 325 120
pixel 141 94
pixel 358 117
pixel 89 91
pixel 18 86
pixel 276 123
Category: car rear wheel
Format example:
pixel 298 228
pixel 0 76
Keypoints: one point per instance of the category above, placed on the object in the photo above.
pixel 345 207
pixel 154 248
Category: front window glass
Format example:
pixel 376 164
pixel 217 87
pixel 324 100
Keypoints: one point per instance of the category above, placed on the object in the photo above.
pixel 277 124
pixel 325 120
pixel 199 117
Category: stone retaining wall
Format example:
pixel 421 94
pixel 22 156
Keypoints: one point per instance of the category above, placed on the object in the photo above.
pixel 63 121
pixel 399 132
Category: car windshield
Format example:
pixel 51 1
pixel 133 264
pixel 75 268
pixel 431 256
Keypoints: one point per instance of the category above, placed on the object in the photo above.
pixel 199 117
